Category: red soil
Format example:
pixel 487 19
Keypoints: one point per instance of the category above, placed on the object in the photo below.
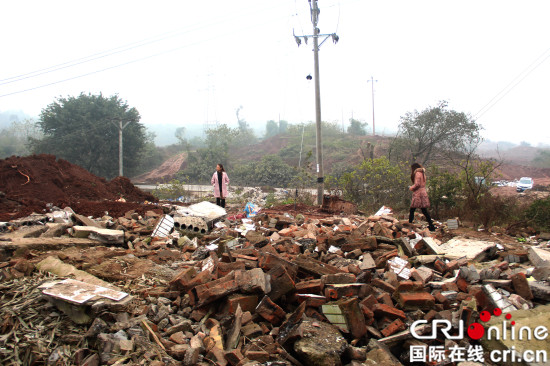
pixel 29 183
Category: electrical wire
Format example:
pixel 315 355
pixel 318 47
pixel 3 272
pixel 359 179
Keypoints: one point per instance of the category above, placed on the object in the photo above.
pixel 511 85
pixel 114 51
pixel 221 35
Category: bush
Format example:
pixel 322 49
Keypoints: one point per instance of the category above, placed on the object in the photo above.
pixel 444 190
pixel 172 190
pixel 496 210
pixel 372 184
pixel 538 214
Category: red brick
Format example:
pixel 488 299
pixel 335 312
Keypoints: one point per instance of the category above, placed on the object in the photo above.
pixel 247 302
pixel 217 289
pixel 396 326
pixel 462 284
pixel 233 356
pixel 416 300
pixel 355 318
pixel 519 281
pixel 281 282
pixel 369 314
pixel 347 290
pixel 369 301
pixel 368 243
pixel 385 298
pixel 311 299
pixel 223 269
pixel 309 287
pixel 430 315
pixel 259 356
pixel 440 266
pixel 442 299
pixel 338 278
pixel 450 286
pixel 182 278
pixel 270 311
pixel 381 310
pixel 410 286
pixel 383 285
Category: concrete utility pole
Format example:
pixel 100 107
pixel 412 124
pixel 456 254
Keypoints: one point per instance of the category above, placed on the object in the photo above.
pixel 120 158
pixel 316 45
pixel 372 91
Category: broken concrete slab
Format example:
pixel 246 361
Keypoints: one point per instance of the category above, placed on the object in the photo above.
pixel 476 250
pixel 76 298
pixel 56 266
pixel 42 243
pixel 106 236
pixel 539 257
pixel 86 221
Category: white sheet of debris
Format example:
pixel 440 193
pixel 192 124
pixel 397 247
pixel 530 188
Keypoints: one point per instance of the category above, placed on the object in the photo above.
pixel 204 209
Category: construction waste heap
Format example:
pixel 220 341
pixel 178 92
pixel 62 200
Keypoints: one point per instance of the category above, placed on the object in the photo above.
pixel 163 284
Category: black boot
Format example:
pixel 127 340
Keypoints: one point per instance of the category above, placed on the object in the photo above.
pixel 431 226
pixel 411 215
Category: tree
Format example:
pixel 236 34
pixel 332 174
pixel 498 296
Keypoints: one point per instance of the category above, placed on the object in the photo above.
pixel 373 183
pixel 542 160
pixel 423 135
pixel 271 129
pixel 245 134
pixel 357 127
pixel 14 140
pixel 270 171
pixel 84 131
pixel 283 126
pixel 203 161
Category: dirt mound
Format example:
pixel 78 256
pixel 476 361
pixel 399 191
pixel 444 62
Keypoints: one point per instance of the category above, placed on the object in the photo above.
pixel 30 183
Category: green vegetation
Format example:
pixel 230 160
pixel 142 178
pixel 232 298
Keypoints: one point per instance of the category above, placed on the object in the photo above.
pixel 423 136
pixel 539 214
pixel 373 183
pixel 173 190
pixel 84 131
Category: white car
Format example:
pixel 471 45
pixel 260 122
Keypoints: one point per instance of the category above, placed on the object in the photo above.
pixel 524 183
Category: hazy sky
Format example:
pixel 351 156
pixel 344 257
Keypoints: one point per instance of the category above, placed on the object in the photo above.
pixel 191 62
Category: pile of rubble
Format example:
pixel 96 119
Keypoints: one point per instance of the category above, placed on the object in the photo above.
pixel 275 289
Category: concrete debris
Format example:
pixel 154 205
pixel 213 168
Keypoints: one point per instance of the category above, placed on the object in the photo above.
pixel 194 286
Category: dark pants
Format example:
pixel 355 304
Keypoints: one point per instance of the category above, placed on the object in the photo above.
pixel 220 202
pixel 425 213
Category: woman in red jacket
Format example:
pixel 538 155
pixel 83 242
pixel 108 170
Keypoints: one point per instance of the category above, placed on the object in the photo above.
pixel 420 196
pixel 220 180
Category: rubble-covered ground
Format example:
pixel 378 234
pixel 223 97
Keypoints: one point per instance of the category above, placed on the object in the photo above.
pixel 99 283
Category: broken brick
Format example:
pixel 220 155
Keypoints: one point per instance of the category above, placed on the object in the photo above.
pixel 416 300
pixel 381 310
pixel 521 286
pixel 270 311
pixel 394 327
pixel 381 284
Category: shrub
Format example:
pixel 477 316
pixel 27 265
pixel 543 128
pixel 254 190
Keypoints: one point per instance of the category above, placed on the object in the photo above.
pixel 172 190
pixel 538 214
pixel 373 183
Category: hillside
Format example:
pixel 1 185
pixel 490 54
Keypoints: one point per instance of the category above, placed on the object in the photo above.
pixel 342 151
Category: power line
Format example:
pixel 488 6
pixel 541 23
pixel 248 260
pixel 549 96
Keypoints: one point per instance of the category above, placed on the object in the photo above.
pixel 132 61
pixel 512 84
pixel 114 51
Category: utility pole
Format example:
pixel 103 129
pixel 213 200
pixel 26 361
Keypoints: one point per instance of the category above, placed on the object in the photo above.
pixel 372 91
pixel 316 45
pixel 120 158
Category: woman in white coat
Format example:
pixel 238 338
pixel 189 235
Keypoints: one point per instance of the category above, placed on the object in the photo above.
pixel 220 181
